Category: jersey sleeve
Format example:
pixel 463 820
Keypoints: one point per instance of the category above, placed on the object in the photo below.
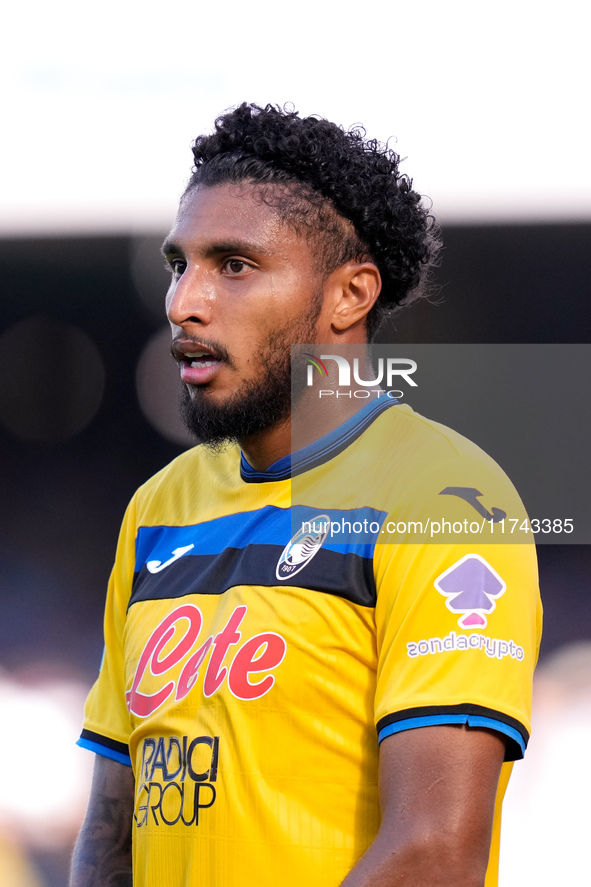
pixel 107 727
pixel 458 615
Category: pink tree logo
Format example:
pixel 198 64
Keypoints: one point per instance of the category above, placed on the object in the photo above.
pixel 471 587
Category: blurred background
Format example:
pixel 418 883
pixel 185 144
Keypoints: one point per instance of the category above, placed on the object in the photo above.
pixel 100 107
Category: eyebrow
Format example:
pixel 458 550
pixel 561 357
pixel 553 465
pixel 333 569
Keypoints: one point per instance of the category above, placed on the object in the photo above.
pixel 216 248
pixel 169 247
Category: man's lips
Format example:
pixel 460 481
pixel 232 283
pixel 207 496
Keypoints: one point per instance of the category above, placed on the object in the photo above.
pixel 198 363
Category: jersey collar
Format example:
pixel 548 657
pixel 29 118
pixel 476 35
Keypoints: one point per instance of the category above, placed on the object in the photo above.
pixel 321 450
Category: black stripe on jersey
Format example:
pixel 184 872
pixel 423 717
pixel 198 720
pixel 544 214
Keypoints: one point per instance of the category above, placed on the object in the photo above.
pixel 121 747
pixel 349 576
pixel 466 708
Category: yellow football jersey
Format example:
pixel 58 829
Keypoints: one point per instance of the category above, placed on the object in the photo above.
pixel 263 634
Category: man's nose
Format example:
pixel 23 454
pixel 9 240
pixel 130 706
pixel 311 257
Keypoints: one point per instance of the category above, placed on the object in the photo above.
pixel 189 299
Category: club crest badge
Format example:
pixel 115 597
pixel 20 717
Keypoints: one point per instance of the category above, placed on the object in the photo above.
pixel 471 587
pixel 302 547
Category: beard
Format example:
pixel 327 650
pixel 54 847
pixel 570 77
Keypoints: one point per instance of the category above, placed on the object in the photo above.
pixel 262 402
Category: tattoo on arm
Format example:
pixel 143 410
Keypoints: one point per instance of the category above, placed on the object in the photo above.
pixel 102 857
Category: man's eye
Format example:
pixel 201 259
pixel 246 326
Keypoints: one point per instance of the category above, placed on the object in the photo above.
pixel 177 266
pixel 235 266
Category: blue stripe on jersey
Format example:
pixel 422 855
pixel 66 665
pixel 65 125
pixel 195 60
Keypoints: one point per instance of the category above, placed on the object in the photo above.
pixel 265 526
pixel 471 720
pixel 104 751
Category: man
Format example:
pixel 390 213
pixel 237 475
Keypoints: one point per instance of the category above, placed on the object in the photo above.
pixel 248 664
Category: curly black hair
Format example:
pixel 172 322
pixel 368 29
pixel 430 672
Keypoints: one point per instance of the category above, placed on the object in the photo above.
pixel 323 179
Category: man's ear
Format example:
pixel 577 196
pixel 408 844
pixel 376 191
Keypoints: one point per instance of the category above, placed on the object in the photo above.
pixel 354 288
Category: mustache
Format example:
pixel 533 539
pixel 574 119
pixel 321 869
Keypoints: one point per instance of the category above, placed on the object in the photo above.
pixel 181 344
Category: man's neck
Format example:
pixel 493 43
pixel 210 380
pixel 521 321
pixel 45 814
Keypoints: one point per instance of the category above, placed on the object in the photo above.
pixel 310 420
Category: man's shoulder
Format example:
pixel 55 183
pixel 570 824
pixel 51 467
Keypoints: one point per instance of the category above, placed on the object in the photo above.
pixel 198 472
pixel 407 435
pixel 200 457
pixel 407 464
